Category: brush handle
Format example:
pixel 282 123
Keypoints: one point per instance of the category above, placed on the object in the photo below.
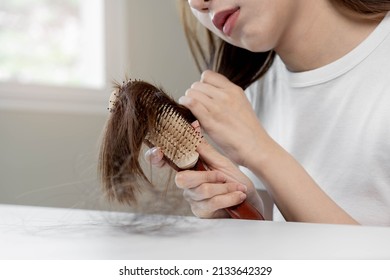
pixel 244 210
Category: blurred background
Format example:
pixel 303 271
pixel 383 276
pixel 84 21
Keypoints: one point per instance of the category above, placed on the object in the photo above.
pixel 58 59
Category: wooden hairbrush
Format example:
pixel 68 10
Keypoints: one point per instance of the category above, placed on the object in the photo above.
pixel 161 122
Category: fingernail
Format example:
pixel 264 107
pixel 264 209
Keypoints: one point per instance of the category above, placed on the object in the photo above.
pixel 196 126
pixel 178 180
pixel 184 100
pixel 242 188
pixel 156 155
pixel 242 196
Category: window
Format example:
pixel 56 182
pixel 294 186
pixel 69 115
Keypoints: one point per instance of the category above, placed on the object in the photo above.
pixel 52 42
pixel 58 51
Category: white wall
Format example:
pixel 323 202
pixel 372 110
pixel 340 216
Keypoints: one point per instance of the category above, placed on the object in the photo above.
pixel 157 48
pixel 49 158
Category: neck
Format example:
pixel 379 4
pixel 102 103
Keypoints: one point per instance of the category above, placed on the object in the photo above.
pixel 322 34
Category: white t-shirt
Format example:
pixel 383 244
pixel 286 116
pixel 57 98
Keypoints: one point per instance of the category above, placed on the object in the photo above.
pixel 335 120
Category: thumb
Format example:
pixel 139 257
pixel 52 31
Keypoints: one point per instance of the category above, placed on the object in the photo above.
pixel 210 156
pixel 155 157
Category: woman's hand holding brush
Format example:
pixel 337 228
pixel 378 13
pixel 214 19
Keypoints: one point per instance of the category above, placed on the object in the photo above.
pixel 210 192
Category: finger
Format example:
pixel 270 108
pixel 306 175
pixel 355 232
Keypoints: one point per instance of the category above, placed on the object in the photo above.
pixel 196 99
pixel 196 126
pixel 190 179
pixel 199 104
pixel 215 79
pixel 206 89
pixel 155 156
pixel 208 207
pixel 219 214
pixel 207 190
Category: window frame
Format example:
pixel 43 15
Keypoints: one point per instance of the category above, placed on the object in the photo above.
pixel 20 96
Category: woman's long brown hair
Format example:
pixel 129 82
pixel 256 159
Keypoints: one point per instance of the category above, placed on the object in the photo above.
pixel 241 66
pixel 126 128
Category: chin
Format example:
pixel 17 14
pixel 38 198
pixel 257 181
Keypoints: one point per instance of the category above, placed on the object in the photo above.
pixel 253 43
pixel 255 46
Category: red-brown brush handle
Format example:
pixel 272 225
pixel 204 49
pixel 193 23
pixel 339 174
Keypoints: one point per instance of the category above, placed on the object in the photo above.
pixel 244 210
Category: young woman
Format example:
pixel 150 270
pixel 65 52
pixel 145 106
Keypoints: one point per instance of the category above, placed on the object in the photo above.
pixel 312 130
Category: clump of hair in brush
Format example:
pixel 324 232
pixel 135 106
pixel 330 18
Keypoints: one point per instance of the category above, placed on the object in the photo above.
pixel 142 113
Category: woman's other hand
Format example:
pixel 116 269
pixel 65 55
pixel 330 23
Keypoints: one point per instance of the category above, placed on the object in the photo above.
pixel 222 186
pixel 226 115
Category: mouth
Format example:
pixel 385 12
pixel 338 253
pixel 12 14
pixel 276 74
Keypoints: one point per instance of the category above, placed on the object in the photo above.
pixel 225 20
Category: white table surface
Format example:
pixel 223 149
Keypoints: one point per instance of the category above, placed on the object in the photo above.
pixel 51 233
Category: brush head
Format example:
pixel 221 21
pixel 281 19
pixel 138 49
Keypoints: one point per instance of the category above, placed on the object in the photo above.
pixel 175 136
pixel 162 122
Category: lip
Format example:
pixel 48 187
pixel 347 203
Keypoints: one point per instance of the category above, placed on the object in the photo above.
pixel 225 20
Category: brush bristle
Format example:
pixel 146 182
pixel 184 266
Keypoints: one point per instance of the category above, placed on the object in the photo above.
pixel 176 137
pixel 162 122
